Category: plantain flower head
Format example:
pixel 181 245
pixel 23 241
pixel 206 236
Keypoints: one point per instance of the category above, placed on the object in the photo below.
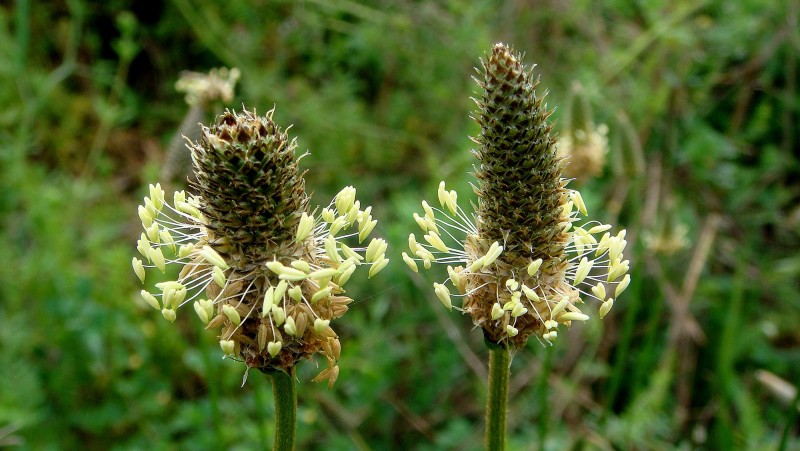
pixel 525 260
pixel 253 261
pixel 583 145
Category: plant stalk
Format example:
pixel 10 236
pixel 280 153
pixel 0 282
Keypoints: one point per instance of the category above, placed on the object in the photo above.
pixel 284 391
pixel 496 406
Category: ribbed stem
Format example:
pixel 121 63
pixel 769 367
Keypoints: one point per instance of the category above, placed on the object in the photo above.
pixel 285 393
pixel 496 407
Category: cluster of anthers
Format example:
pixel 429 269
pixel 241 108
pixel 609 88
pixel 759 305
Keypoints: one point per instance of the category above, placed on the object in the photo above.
pixel 526 295
pixel 271 315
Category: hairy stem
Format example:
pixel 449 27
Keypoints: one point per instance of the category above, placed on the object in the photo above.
pixel 496 407
pixel 285 393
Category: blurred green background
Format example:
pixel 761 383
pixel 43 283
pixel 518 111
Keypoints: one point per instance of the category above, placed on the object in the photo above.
pixel 702 105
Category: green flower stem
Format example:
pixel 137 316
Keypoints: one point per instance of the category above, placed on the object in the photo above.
pixel 496 407
pixel 285 393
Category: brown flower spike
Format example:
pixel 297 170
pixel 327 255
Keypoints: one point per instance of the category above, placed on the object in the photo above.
pixel 254 261
pixel 523 268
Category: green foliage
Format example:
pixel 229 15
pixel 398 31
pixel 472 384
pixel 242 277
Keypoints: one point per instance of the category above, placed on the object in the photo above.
pixel 378 93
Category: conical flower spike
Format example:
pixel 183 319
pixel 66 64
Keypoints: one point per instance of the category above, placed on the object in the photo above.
pixel 252 256
pixel 521 259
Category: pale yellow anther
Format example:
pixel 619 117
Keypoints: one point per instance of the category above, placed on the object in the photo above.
pixel 421 222
pixel 550 324
pixel 338 224
pixel 578 200
pixel 157 196
pixel 275 266
pixel 179 197
pixel 378 266
pixel 605 307
pixel 185 250
pixel 365 215
pixel 201 313
pixel 331 250
pixel 434 240
pixel 430 224
pixel 562 304
pixel 150 299
pixel 345 199
pixel 365 228
pixel 412 244
pixel 583 270
pixel 157 257
pixel 321 294
pixel 327 273
pixel 566 208
pixel 232 314
pixel 442 193
pixel 227 346
pixel 572 316
pixel 428 210
pixel 454 276
pixel 550 336
pixel 602 246
pixel 328 215
pixel 511 330
pixel 274 347
pixel 138 268
pixel 512 284
pixel 376 247
pixel 143 246
pixel 290 327
pixel 477 264
pixel 599 290
pixel 518 310
pixel 280 290
pixel 146 216
pixel 350 253
pixel 219 276
pixel 172 297
pixel 452 202
pixel 295 293
pixel 599 228
pixel 189 209
pixel 497 311
pixel 618 269
pixel 304 227
pixel 301 265
pixel 410 262
pixel 278 315
pixel 345 275
pixel 152 233
pixel 168 314
pixel 167 239
pixel 292 274
pixel 530 293
pixel 615 248
pixel 491 255
pixel 211 256
pixel 269 300
pixel 352 214
pixel 534 266
pixel 623 284
pixel 150 207
pixel 321 324
pixel 443 294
